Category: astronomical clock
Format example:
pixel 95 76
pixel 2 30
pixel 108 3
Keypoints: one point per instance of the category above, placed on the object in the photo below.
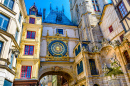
pixel 57 48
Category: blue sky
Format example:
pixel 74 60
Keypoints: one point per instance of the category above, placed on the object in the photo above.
pixel 46 4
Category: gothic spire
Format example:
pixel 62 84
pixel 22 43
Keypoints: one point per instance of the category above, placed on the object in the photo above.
pixel 62 8
pixel 50 6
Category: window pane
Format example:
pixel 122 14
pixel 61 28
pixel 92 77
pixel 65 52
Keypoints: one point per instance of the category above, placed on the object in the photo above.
pixel 31 50
pixel 16 35
pixel 32 20
pixel 94 8
pixel 26 50
pixel 1 44
pixel 122 9
pixel 93 67
pixel 20 16
pixel 1 19
pixel 5 24
pixel 28 72
pixel 12 57
pixel 7 83
pixel 11 4
pixel 23 72
pixel 6 2
pixel 127 56
pixel 33 13
pixel 28 34
pixel 97 8
pixel 33 35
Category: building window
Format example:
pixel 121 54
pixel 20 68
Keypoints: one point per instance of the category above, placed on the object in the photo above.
pixel 121 37
pixel 11 61
pixel 32 20
pixel 80 67
pixel 9 3
pixel 60 31
pixel 122 9
pixel 1 45
pixel 95 5
pixel 26 72
pixel 78 50
pixel 93 67
pixel 3 22
pixel 127 56
pixel 20 17
pixel 7 83
pixel 33 13
pixel 31 34
pixel 16 34
pixel 29 50
pixel 110 28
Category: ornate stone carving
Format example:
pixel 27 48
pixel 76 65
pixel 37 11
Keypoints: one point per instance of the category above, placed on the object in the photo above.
pixel 57 68
pixel 95 49
pixel 105 42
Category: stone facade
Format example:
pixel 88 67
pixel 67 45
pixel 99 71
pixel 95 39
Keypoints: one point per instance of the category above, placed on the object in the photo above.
pixel 10 35
pixel 92 50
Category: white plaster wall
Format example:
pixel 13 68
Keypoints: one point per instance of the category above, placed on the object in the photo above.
pixel 5 74
pixel 13 25
pixel 71 45
pixel 110 18
pixel 43 48
pixel 52 31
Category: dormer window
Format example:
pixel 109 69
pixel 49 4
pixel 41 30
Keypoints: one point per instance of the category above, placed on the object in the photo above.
pixel 33 10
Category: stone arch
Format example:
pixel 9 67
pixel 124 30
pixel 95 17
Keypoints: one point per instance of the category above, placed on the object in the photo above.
pixel 67 73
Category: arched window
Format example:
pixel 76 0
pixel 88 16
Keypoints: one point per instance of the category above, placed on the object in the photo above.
pixel 126 55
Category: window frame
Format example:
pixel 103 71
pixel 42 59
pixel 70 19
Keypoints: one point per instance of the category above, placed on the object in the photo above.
pixel 111 29
pixel 20 17
pixel 127 61
pixel 57 31
pixel 31 34
pixel 95 5
pixel 80 67
pixel 97 73
pixel 25 72
pixel 121 37
pixel 8 3
pixel 31 21
pixel 29 50
pixel 121 7
pixel 4 18
pixel 16 36
pixel 1 47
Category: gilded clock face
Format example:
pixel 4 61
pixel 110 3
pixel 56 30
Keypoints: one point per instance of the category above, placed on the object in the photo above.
pixel 57 48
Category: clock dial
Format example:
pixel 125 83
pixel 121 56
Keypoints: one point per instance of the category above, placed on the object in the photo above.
pixel 57 48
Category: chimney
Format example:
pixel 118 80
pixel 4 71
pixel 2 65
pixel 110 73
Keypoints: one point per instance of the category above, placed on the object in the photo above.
pixel 44 12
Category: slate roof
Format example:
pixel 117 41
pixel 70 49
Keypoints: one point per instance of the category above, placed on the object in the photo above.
pixel 57 17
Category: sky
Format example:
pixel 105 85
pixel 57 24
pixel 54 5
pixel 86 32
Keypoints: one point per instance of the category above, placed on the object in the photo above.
pixel 46 4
